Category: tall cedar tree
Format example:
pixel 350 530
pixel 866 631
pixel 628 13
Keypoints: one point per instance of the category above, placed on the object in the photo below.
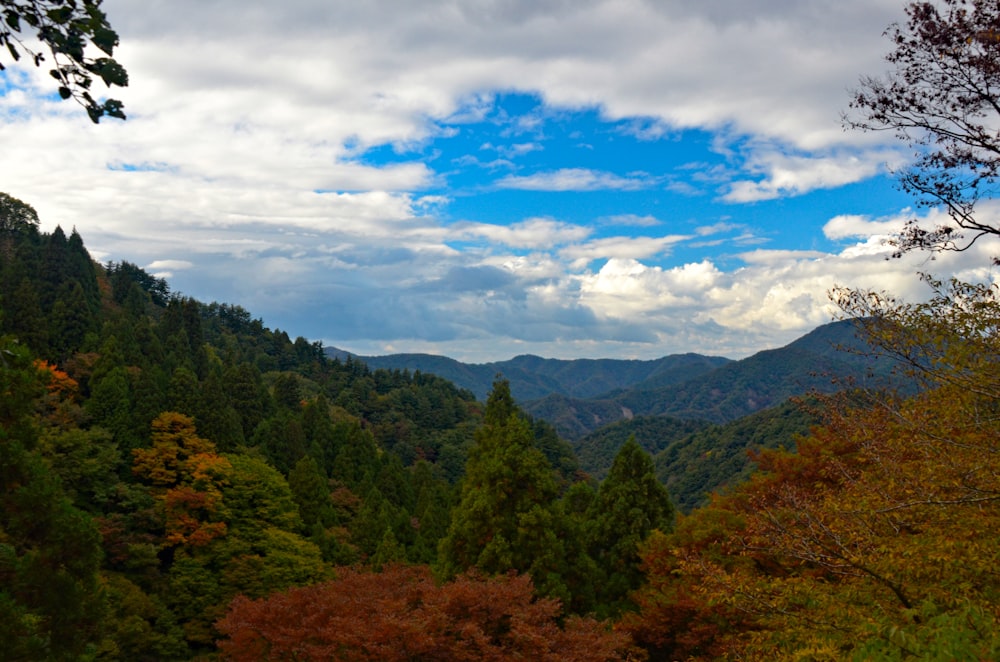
pixel 503 519
pixel 630 504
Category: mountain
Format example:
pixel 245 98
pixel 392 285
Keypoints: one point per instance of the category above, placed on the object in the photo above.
pixel 823 360
pixel 694 458
pixel 533 377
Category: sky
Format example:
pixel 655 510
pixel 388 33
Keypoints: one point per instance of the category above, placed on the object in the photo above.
pixel 487 178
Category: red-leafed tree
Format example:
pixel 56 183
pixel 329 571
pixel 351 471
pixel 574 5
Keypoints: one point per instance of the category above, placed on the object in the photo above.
pixel 401 614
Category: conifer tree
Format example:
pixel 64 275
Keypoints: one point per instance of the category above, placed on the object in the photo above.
pixel 504 518
pixel 630 504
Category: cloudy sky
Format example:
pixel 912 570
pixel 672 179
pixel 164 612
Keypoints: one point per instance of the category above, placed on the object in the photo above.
pixel 486 178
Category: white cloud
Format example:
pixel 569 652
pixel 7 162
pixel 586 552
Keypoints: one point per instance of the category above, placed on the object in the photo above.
pixel 574 179
pixel 621 247
pixel 540 233
pixel 243 163
pixel 787 175
pixel 158 265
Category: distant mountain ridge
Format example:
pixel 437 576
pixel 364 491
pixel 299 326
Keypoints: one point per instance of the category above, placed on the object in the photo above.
pixel 580 396
pixel 533 377
pixel 824 360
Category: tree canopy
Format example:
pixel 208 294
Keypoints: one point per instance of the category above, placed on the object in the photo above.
pixel 16 215
pixel 941 99
pixel 67 28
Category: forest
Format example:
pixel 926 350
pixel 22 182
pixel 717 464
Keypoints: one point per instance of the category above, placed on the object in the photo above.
pixel 180 482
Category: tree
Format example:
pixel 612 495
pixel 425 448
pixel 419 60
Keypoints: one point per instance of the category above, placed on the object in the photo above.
pixel 942 99
pixel 16 215
pixel 66 27
pixel 401 614
pixel 504 518
pixel 185 475
pixel 630 504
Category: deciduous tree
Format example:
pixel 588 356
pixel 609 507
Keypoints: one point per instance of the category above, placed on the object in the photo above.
pixel 67 28
pixel 941 98
pixel 401 614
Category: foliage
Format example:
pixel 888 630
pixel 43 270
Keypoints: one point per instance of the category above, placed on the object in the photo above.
pixel 629 505
pixel 718 457
pixel 65 27
pixel 15 215
pixel 503 516
pixel 50 603
pixel 598 449
pixel 941 99
pixel 401 614
pixel 878 537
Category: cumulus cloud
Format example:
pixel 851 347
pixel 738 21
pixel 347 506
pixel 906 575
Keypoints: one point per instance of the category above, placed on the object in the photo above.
pixel 245 168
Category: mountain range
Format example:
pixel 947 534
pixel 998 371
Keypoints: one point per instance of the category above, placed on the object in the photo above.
pixel 580 396
pixel 533 377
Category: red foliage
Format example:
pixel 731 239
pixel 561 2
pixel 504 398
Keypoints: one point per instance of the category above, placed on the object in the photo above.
pixel 401 614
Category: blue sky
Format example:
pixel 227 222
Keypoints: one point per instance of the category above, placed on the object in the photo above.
pixel 485 178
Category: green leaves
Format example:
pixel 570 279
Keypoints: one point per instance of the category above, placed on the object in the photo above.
pixel 67 28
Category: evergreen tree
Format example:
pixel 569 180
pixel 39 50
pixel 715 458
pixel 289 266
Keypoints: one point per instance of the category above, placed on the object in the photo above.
pixel 504 519
pixel 630 504
pixel 50 603
pixel 311 490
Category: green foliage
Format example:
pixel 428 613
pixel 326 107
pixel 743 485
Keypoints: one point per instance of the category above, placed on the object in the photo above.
pixel 598 449
pixel 501 521
pixel 67 28
pixel 50 603
pixel 630 504
pixel 718 457
pixel 15 215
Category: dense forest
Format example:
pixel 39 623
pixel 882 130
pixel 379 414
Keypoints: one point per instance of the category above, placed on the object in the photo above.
pixel 163 456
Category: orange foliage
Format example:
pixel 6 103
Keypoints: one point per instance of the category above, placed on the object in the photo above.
pixel 886 510
pixel 401 614
pixel 57 381
pixel 187 476
pixel 58 405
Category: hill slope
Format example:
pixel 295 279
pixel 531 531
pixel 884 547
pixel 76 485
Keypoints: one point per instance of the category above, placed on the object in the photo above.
pixel 532 377
pixel 816 362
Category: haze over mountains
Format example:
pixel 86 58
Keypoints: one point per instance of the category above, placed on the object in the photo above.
pixel 580 396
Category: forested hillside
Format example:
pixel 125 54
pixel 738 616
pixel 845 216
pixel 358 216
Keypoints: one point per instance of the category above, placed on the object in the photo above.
pixel 532 377
pixel 696 458
pixel 829 359
pixel 163 456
